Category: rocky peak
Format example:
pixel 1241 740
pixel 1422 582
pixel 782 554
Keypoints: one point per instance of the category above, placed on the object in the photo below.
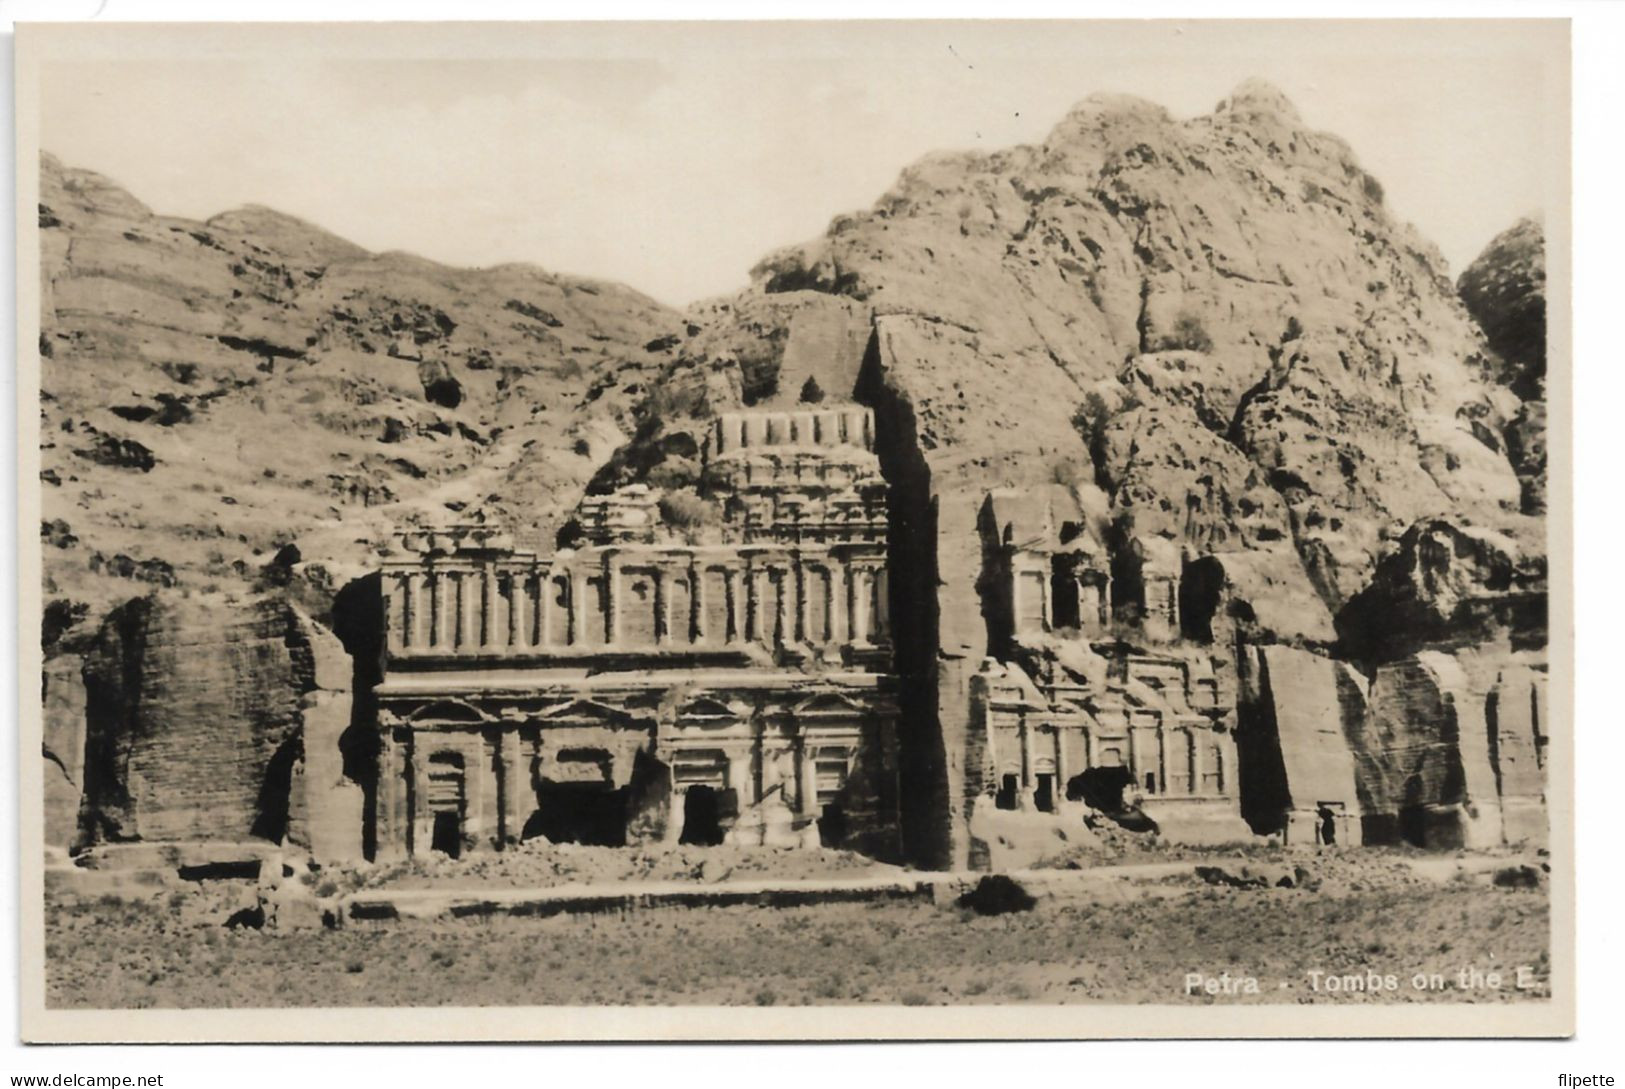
pixel 1254 98
pixel 1504 290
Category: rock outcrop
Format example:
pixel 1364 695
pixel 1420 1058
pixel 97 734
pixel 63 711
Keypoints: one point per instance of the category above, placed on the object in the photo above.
pixel 1505 291
pixel 210 719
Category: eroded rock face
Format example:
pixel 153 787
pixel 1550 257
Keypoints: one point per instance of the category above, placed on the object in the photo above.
pixel 276 383
pixel 64 748
pixel 1424 755
pixel 217 719
pixel 1505 292
pixel 1446 582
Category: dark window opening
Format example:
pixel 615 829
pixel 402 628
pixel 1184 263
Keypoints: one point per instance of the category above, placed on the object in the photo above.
pixel 1151 781
pixel 1064 612
pixel 832 825
pixel 1044 795
pixel 702 817
pixel 448 834
pixel 1006 798
pixel 1413 821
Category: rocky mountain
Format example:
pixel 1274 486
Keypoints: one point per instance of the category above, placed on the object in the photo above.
pixel 1213 329
pixel 251 398
pixel 1505 291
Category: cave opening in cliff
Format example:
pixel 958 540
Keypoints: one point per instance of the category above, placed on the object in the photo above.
pixel 593 814
pixel 1101 788
pixel 276 792
pixel 913 580
pixel 1201 585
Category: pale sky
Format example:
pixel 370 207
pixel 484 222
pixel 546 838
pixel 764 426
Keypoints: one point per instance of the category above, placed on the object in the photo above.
pixel 673 157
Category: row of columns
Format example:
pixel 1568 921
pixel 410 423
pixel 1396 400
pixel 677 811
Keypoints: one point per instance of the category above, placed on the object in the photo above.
pixel 1094 589
pixel 1034 741
pixel 455 609
pixel 497 799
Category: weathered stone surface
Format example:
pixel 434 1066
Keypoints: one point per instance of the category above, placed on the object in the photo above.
pixel 64 747
pixel 216 719
pixel 1516 710
pixel 1298 775
pixel 1424 755
pixel 1505 292
pixel 1446 582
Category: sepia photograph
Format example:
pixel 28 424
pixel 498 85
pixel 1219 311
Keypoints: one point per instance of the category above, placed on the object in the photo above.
pixel 801 530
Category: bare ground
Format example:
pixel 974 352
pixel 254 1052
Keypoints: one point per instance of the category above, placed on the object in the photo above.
pixel 1134 944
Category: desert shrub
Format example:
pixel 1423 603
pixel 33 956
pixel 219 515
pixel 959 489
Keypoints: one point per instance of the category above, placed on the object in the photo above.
pixel 1091 418
pixel 1189 334
pixel 811 392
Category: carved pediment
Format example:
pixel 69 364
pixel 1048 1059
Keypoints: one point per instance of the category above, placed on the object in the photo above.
pixel 447 710
pixel 584 711
pixel 705 709
pixel 829 705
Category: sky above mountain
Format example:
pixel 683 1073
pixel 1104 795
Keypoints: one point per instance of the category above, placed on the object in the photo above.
pixel 672 157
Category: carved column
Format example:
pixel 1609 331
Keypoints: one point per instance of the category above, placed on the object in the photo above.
pixel 541 615
pixel 696 604
pixel 514 807
pixel 467 604
pixel 800 570
pixel 612 606
pixel 860 606
pixel 662 605
pixel 1060 767
pixel 1025 733
pixel 806 779
pixel 780 585
pixel 730 590
pixel 523 615
pixel 578 610
pixel 488 607
pixel 1196 747
pixel 444 611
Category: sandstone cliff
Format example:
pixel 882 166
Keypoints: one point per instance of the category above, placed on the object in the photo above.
pixel 209 718
pixel 213 392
